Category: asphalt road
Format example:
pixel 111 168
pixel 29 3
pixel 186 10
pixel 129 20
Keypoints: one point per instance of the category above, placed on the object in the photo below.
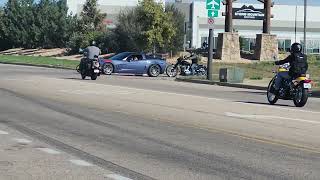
pixel 156 128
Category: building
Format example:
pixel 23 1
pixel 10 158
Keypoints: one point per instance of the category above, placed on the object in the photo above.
pixel 286 18
pixel 287 23
pixel 111 7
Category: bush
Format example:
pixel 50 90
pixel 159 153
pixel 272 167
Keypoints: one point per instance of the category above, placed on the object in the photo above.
pixel 256 77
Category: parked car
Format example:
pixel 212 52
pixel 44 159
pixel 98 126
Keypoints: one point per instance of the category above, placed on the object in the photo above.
pixel 133 63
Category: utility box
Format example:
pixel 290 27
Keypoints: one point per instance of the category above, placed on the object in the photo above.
pixel 231 75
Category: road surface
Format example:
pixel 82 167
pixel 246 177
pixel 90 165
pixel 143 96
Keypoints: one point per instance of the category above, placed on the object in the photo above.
pixel 149 128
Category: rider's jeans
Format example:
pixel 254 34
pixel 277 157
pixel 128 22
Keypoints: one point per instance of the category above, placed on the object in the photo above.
pixel 280 77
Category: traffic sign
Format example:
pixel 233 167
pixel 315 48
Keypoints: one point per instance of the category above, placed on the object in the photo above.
pixel 210 21
pixel 213 13
pixel 213 4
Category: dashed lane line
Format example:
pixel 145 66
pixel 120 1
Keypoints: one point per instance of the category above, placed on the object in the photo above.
pixel 49 151
pixel 256 116
pixel 22 141
pixel 80 162
pixel 3 132
pixel 117 177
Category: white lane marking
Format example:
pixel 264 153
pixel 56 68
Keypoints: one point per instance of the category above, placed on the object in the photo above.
pixel 277 107
pixel 17 79
pixel 3 133
pixel 80 162
pixel 48 150
pixel 117 177
pixel 23 141
pixel 268 117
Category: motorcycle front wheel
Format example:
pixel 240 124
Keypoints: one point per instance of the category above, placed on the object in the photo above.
pixel 301 96
pixel 171 71
pixel 272 98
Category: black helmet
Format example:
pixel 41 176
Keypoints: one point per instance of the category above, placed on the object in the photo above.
pixel 93 43
pixel 296 48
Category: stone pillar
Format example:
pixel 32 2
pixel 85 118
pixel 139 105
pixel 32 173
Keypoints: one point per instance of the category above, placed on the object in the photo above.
pixel 228 47
pixel 266 47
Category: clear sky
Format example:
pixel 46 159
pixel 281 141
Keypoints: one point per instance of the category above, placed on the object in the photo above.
pixel 310 2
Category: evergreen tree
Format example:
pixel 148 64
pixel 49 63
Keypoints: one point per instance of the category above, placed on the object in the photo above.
pixel 178 39
pixel 91 17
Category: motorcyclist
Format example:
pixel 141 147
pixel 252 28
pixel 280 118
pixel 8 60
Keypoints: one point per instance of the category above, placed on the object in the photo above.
pixel 90 52
pixel 296 63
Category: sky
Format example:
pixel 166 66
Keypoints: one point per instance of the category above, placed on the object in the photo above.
pixel 310 2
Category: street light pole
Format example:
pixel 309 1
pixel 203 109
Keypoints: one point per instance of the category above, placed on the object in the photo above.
pixel 295 25
pixel 305 28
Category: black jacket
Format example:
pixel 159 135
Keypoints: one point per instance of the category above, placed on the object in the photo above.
pixel 290 59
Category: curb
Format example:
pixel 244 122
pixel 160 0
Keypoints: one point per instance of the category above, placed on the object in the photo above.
pixel 243 86
pixel 35 65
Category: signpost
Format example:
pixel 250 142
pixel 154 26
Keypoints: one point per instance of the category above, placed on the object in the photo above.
pixel 212 7
pixel 248 13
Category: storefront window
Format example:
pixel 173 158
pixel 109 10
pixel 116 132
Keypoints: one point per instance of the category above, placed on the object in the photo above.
pixel 313 46
pixel 203 39
pixel 247 44
pixel 284 45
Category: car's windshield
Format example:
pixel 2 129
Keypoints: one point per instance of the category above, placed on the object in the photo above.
pixel 120 56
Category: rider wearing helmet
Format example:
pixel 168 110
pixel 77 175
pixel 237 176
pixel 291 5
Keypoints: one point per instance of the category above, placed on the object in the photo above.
pixel 90 53
pixel 298 65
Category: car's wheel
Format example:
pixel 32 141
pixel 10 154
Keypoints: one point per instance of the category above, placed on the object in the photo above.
pixel 154 70
pixel 301 96
pixel 272 98
pixel 107 68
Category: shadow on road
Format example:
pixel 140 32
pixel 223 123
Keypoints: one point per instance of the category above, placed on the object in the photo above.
pixel 262 103
pixel 252 92
pixel 72 78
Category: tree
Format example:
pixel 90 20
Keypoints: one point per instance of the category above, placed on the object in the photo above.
pixel 43 24
pixel 178 39
pixel 55 26
pixel 128 32
pixel 157 25
pixel 91 17
pixel 3 41
pixel 89 27
pixel 18 22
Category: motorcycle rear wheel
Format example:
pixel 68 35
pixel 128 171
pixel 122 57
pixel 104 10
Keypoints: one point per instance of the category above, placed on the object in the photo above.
pixel 94 76
pixel 83 74
pixel 301 97
pixel 272 98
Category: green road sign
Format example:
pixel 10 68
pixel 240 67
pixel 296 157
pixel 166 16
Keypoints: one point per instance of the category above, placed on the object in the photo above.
pixel 213 13
pixel 213 4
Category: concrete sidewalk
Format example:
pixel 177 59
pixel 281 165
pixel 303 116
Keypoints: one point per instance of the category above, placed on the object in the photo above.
pixel 247 84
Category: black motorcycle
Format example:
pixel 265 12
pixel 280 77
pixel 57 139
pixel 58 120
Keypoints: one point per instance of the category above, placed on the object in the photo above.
pixel 184 68
pixel 298 90
pixel 89 67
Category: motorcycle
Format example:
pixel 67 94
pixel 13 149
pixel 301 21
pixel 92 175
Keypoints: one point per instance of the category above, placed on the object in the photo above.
pixel 89 67
pixel 184 68
pixel 297 89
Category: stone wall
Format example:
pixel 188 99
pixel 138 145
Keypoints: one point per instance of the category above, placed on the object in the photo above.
pixel 228 47
pixel 266 47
